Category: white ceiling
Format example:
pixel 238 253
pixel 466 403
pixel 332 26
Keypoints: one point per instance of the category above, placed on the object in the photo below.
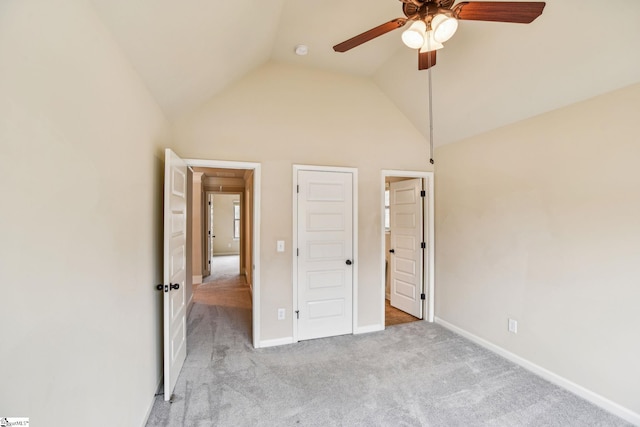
pixel 488 75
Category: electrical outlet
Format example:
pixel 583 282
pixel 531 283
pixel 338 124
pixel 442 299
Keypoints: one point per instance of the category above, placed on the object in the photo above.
pixel 513 326
pixel 280 245
pixel 281 314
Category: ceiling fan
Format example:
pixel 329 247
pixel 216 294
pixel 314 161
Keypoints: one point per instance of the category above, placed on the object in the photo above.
pixel 435 21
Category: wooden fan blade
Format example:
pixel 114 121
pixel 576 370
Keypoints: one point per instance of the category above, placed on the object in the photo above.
pixel 370 35
pixel 426 60
pixel 499 11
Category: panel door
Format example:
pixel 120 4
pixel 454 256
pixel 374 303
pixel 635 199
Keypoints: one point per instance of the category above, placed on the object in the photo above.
pixel 175 243
pixel 406 220
pixel 325 258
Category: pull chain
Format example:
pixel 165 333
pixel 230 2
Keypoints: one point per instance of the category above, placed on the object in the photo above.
pixel 430 100
pixel 430 116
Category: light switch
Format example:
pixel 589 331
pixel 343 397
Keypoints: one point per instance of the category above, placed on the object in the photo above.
pixel 280 246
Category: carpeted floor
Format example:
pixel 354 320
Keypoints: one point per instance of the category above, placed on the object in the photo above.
pixel 415 374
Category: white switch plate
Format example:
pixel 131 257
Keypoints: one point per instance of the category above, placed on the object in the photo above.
pixel 280 245
pixel 513 326
pixel 281 314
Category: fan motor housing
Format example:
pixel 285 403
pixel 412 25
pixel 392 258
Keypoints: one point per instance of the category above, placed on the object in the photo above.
pixel 424 10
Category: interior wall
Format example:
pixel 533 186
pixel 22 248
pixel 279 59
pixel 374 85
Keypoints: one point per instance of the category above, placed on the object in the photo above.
pixel 196 214
pixel 539 222
pixel 189 242
pixel 80 222
pixel 224 242
pixel 247 229
pixel 304 116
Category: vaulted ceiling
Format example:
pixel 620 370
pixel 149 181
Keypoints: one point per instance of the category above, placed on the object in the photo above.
pixel 488 75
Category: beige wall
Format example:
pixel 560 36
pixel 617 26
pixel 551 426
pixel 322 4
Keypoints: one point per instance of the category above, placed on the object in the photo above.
pixel 224 243
pixel 197 222
pixel 247 229
pixel 80 223
pixel 540 221
pixel 283 115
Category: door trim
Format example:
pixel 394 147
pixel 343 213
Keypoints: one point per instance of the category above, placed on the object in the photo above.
pixel 429 226
pixel 255 295
pixel 294 260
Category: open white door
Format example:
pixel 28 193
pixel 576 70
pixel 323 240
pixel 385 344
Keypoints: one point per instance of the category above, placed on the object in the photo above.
pixel 325 257
pixel 405 209
pixel 175 244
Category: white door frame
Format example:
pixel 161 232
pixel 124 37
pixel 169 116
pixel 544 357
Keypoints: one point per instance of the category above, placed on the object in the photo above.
pixel 354 172
pixel 255 167
pixel 429 227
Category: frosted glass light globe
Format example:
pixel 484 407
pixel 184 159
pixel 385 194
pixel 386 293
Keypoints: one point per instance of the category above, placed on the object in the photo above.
pixel 444 27
pixel 414 36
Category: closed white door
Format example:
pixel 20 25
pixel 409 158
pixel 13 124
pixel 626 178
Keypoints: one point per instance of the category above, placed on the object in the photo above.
pixel 405 209
pixel 175 243
pixel 325 254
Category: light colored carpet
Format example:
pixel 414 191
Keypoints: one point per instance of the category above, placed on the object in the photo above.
pixel 415 374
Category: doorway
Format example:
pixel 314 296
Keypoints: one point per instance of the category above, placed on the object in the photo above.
pixel 225 228
pixel 242 180
pixel 407 246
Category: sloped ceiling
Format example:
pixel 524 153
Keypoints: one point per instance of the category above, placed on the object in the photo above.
pixel 488 75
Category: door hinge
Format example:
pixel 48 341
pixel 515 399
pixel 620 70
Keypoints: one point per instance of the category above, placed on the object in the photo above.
pixel 209 203
pixel 423 296
pixel 297 188
pixel 423 193
pixel 297 314
pixel 423 245
pixel 297 252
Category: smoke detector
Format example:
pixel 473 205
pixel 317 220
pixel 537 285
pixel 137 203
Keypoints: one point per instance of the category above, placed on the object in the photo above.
pixel 301 50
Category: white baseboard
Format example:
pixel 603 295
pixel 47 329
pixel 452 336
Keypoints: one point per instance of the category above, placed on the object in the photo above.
pixel 153 401
pixel 367 329
pixel 196 280
pixel 598 400
pixel 190 303
pixel 276 342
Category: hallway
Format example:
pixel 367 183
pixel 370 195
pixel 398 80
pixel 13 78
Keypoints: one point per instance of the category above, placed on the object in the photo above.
pixel 225 287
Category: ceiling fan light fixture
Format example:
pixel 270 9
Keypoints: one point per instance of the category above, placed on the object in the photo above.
pixel 414 37
pixel 444 27
pixel 430 43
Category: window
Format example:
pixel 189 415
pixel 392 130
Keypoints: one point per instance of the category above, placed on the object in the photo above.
pixel 387 220
pixel 236 219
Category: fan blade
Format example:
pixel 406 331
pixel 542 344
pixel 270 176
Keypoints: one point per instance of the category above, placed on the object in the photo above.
pixel 507 11
pixel 370 35
pixel 426 60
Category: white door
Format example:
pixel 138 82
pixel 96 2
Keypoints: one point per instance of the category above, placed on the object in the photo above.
pixel 405 209
pixel 175 242
pixel 325 257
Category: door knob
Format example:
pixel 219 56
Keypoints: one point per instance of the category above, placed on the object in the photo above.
pixel 159 287
pixel 174 286
pixel 392 251
pixel 349 262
